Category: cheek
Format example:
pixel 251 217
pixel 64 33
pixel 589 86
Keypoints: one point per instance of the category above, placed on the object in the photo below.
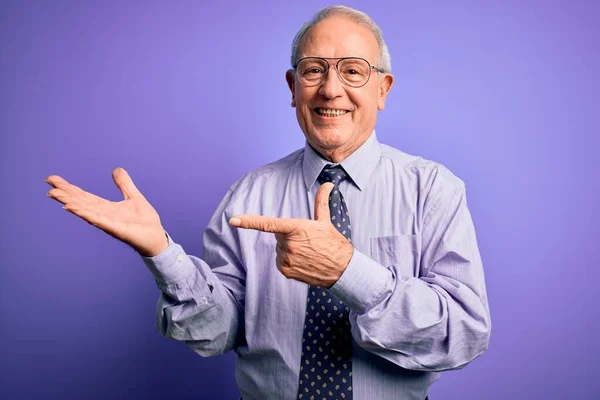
pixel 303 105
pixel 302 95
pixel 307 95
pixel 366 101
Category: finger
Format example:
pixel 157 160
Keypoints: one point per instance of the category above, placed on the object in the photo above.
pixel 59 195
pixel 57 182
pixel 322 202
pixel 281 241
pixel 264 224
pixel 69 189
pixel 91 216
pixel 87 196
pixel 124 183
pixel 278 249
pixel 278 259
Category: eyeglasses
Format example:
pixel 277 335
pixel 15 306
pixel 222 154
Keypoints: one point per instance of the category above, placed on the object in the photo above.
pixel 353 71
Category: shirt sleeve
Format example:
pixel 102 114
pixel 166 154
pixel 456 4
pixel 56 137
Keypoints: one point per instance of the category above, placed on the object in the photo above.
pixel 202 300
pixel 438 320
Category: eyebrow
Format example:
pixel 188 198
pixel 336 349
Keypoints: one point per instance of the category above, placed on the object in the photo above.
pixel 301 56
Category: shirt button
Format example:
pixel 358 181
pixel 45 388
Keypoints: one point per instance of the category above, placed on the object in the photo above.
pixel 180 257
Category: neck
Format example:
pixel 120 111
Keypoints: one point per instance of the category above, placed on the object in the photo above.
pixel 338 154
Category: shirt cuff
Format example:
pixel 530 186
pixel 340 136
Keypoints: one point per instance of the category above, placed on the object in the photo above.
pixel 172 265
pixel 363 283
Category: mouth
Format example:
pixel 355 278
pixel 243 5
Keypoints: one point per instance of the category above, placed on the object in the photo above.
pixel 329 112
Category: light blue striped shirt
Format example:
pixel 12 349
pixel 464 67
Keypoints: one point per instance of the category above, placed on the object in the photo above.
pixel 415 284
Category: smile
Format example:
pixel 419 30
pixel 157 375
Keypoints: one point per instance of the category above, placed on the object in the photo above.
pixel 328 112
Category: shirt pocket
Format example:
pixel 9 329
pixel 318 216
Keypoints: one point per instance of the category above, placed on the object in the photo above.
pixel 397 252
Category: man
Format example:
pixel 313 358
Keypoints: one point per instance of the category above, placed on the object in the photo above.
pixel 369 297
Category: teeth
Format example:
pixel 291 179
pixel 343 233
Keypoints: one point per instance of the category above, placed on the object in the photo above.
pixel 330 113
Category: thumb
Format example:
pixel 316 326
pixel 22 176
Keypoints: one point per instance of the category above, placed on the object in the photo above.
pixel 322 202
pixel 124 183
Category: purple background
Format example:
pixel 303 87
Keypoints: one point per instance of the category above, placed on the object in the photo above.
pixel 188 96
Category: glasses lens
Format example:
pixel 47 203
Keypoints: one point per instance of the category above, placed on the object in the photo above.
pixel 354 71
pixel 311 70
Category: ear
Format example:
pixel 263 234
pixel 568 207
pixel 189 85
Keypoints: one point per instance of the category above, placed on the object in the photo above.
pixel 291 80
pixel 385 85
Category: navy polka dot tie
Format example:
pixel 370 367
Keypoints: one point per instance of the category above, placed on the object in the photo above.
pixel 326 363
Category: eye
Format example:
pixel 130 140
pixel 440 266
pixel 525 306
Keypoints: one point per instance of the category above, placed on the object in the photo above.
pixel 351 69
pixel 312 71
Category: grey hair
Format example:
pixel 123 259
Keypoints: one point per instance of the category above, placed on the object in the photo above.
pixel 384 60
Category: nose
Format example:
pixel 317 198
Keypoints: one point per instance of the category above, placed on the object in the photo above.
pixel 332 86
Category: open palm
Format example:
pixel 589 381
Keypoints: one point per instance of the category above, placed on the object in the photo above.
pixel 132 220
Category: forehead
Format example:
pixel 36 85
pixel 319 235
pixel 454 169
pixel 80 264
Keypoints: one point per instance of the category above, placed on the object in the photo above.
pixel 339 36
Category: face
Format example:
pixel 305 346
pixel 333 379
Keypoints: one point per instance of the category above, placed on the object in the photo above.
pixel 337 136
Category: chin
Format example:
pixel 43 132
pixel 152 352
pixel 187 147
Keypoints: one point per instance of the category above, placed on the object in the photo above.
pixel 329 137
pixel 331 134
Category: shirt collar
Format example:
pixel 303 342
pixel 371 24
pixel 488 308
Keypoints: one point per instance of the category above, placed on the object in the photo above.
pixel 359 165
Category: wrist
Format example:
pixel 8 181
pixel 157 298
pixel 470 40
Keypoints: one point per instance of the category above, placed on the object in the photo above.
pixel 153 252
pixel 344 261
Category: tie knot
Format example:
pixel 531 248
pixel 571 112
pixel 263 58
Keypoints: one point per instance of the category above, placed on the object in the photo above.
pixel 333 174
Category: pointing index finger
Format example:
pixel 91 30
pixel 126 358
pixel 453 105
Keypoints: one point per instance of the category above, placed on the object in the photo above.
pixel 264 224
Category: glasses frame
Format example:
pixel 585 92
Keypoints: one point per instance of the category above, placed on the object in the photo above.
pixel 340 59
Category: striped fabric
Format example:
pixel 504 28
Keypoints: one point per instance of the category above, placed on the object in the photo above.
pixel 415 284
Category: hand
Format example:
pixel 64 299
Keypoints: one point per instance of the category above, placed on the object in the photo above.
pixel 133 220
pixel 314 252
